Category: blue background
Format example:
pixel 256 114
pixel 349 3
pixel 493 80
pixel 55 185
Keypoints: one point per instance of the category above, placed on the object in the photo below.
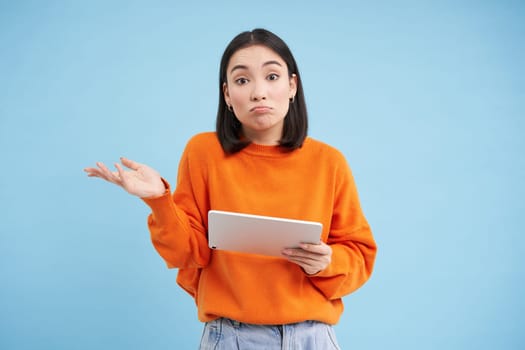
pixel 425 98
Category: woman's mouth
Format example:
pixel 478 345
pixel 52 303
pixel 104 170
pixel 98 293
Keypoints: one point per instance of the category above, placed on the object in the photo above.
pixel 260 109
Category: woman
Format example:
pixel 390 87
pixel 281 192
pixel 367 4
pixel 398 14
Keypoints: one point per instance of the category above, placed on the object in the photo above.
pixel 259 161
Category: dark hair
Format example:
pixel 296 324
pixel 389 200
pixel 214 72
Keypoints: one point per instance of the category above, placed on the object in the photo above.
pixel 296 120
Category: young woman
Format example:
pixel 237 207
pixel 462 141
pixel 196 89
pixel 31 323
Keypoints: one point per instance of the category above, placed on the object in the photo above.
pixel 259 161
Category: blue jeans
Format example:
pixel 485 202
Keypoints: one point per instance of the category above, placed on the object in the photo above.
pixel 226 334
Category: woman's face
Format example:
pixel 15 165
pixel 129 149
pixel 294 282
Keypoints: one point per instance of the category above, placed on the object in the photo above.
pixel 259 89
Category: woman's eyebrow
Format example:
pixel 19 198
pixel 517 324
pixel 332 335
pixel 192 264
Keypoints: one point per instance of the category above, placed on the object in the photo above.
pixel 272 62
pixel 241 66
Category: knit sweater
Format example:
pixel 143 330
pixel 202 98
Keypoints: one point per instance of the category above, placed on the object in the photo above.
pixel 311 183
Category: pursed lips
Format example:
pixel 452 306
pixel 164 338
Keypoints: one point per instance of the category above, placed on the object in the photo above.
pixel 260 109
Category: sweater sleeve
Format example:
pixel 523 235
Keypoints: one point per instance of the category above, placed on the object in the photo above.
pixel 351 240
pixel 177 222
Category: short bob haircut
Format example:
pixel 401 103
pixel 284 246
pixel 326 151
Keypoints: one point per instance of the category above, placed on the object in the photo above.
pixel 296 120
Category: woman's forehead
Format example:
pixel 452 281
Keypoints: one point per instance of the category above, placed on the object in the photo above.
pixel 255 56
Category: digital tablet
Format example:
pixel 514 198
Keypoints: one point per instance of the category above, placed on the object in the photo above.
pixel 256 234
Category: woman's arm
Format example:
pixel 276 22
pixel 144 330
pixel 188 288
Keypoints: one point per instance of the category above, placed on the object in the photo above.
pixel 352 246
pixel 176 230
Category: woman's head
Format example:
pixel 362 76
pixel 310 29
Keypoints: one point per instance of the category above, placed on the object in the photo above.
pixel 260 91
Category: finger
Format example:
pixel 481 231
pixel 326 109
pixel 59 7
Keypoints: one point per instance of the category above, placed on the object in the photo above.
pixel 303 260
pixel 121 173
pixel 91 171
pixel 98 174
pixel 104 171
pixel 130 163
pixel 300 254
pixel 109 175
pixel 95 172
pixel 320 248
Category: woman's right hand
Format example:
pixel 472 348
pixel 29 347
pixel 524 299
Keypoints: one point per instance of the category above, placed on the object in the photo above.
pixel 140 180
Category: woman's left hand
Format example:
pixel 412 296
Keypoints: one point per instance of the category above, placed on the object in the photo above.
pixel 313 258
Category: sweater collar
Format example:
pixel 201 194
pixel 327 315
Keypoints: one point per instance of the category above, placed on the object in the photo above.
pixel 269 151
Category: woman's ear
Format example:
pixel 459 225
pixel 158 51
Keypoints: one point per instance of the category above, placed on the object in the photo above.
pixel 293 85
pixel 226 93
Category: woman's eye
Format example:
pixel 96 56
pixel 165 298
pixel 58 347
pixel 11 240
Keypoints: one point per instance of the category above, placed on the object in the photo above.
pixel 273 76
pixel 241 81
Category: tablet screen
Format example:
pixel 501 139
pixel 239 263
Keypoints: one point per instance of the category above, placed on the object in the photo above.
pixel 256 234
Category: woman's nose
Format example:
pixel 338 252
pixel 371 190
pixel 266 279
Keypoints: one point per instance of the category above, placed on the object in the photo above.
pixel 258 92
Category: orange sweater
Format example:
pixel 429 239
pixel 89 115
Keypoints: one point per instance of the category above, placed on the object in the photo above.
pixel 312 183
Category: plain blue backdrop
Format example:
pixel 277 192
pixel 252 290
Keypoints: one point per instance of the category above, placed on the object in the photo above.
pixel 425 98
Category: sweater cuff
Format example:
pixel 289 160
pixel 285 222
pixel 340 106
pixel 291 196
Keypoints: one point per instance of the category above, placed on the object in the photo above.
pixel 331 269
pixel 160 201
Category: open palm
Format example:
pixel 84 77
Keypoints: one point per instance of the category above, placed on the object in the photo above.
pixel 140 180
